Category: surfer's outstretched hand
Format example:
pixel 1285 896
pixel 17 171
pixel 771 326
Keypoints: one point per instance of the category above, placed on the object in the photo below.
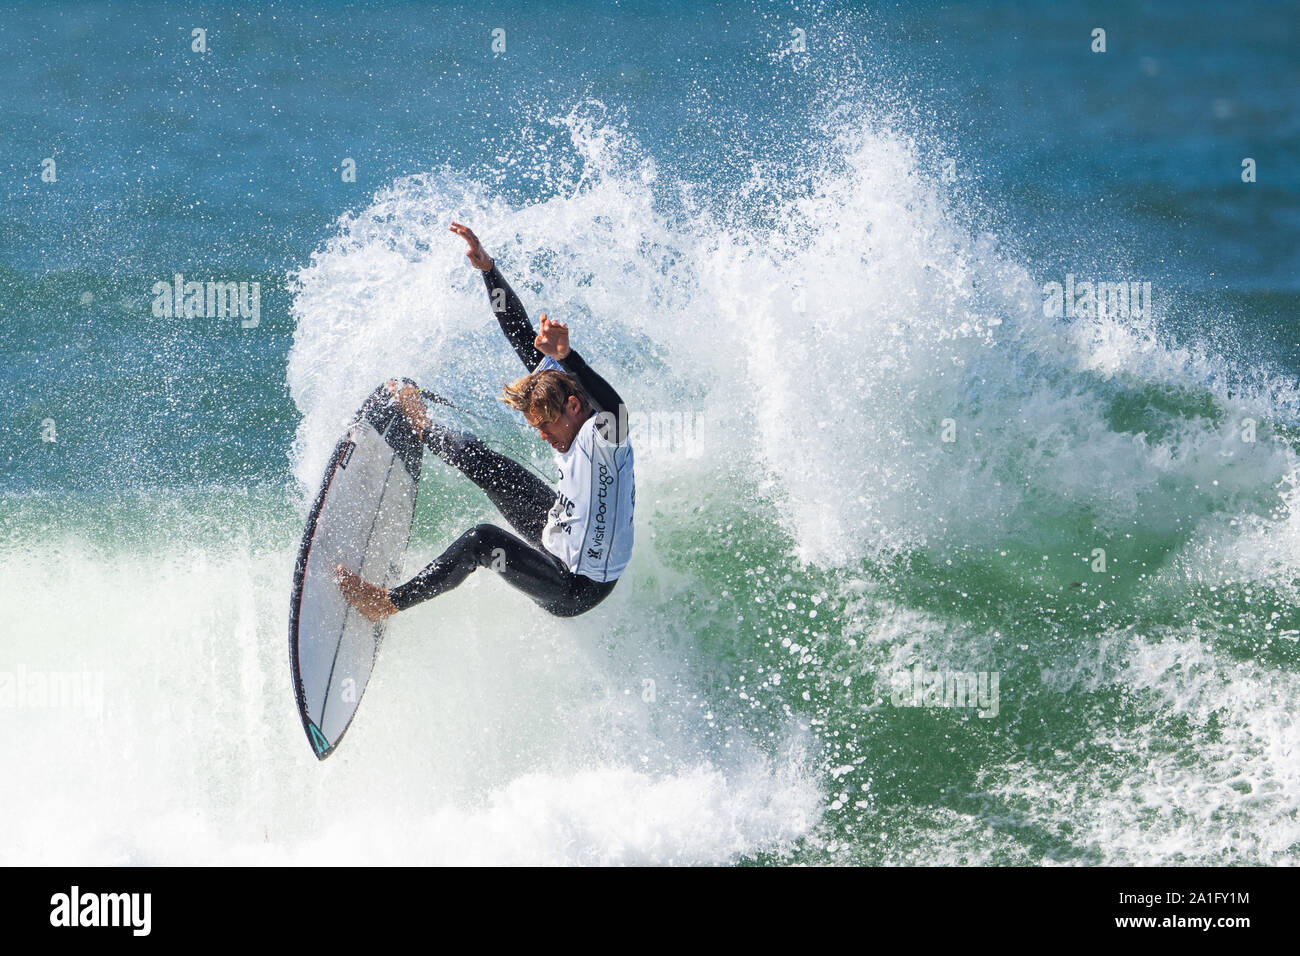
pixel 477 255
pixel 553 339
pixel 412 406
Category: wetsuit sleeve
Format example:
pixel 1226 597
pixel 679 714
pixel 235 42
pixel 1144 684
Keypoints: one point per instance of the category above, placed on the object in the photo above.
pixel 602 393
pixel 513 317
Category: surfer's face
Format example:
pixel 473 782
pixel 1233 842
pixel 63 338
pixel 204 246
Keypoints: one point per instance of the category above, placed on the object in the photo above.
pixel 560 433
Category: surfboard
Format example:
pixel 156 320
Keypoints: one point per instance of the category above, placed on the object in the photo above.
pixel 361 519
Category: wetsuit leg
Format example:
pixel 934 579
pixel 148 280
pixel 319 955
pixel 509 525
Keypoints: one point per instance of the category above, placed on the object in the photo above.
pixel 521 497
pixel 537 573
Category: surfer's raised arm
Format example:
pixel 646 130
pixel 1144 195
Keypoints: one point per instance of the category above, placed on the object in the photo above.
pixel 552 341
pixel 506 306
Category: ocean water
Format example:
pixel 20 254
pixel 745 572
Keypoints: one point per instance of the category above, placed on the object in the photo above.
pixel 812 245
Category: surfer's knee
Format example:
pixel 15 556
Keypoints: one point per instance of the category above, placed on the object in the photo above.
pixel 485 542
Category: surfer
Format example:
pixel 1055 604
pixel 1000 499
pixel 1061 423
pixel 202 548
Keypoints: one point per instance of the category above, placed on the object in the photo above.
pixel 575 540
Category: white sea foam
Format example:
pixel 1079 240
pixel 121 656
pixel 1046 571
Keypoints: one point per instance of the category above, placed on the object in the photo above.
pixel 484 738
pixel 1226 796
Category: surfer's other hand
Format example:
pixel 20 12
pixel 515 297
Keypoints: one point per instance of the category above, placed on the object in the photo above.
pixel 553 339
pixel 477 255
pixel 412 406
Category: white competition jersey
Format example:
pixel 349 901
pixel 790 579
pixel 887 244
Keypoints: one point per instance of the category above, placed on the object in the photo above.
pixel 590 525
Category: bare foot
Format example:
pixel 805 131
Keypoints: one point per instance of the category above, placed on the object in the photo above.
pixel 369 599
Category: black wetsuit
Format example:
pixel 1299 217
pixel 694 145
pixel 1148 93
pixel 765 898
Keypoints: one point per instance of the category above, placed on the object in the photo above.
pixel 521 497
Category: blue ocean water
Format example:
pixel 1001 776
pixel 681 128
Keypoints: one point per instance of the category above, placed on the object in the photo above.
pixel 812 244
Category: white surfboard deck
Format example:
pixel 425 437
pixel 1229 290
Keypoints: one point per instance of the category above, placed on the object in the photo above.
pixel 361 519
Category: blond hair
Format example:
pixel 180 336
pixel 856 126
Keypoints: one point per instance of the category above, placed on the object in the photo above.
pixel 543 394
